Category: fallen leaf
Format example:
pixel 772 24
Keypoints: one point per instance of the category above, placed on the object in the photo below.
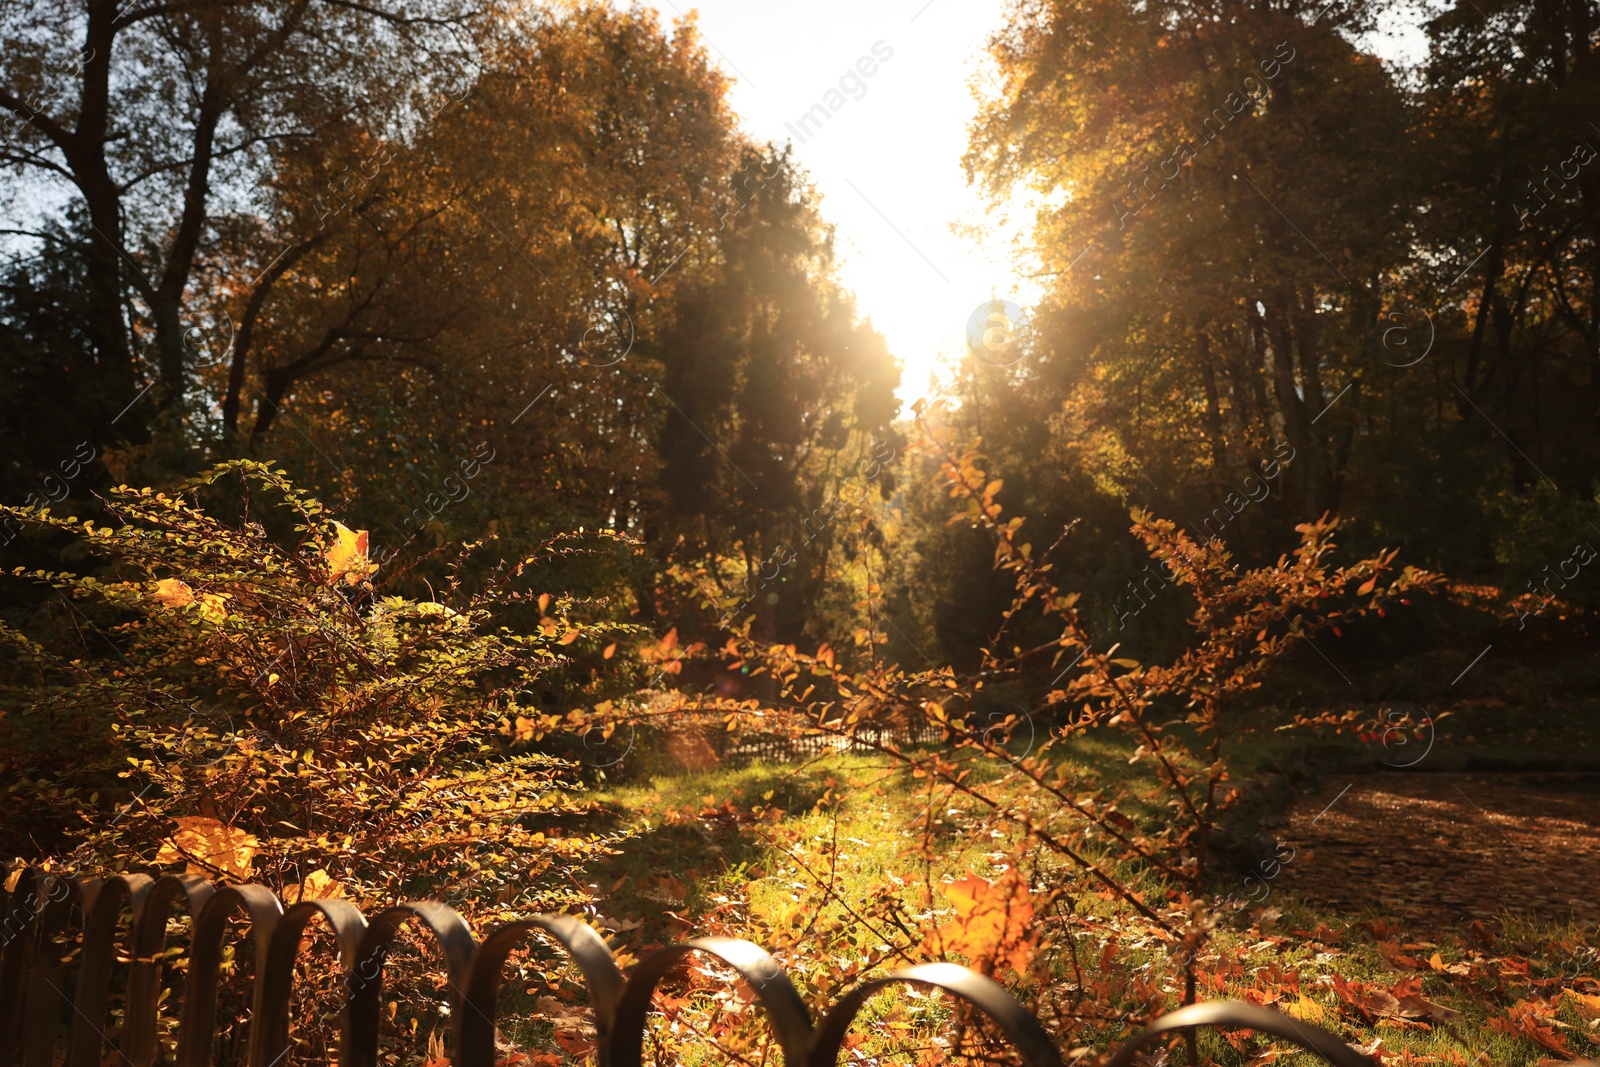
pixel 1327 934
pixel 1370 1002
pixel 1380 929
pixel 1583 1003
pixel 437 1057
pixel 1390 951
pixel 1521 1020
pixel 1374 1049
pixel 1305 1009
pixel 1415 1007
pixel 668 890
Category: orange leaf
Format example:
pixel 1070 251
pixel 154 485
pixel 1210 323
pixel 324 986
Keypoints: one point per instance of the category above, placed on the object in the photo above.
pixel 1521 1020
pixel 1586 1005
pixel 173 593
pixel 1372 1003
pixel 1374 1049
pixel 211 843
pixel 347 556
pixel 1390 950
pixel 991 923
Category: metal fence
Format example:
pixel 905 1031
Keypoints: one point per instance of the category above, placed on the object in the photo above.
pixel 38 988
pixel 750 746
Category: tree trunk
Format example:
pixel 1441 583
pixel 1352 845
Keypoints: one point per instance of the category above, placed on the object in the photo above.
pixel 85 151
pixel 1208 381
pixel 1291 406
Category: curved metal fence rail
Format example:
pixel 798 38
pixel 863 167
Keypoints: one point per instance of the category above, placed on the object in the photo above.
pixel 37 988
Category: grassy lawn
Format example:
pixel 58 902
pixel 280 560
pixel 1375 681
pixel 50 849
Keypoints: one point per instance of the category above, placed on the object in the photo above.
pixel 841 867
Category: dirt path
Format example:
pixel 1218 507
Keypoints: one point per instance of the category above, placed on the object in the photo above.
pixel 1443 849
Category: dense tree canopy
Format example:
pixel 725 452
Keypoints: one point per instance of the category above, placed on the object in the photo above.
pixel 518 269
pixel 549 283
pixel 1284 277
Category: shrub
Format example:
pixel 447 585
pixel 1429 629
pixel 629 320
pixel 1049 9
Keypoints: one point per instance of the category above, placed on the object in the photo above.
pixel 1031 774
pixel 234 695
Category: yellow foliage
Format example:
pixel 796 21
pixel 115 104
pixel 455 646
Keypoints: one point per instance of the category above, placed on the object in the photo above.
pixel 347 556
pixel 173 592
pixel 1305 1009
pixel 207 843
pixel 177 593
pixel 992 921
pixel 320 885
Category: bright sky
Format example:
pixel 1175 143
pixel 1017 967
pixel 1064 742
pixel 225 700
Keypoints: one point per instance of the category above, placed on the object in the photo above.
pixel 888 164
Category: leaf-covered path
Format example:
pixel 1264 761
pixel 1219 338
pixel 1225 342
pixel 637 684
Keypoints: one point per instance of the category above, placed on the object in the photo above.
pixel 1438 850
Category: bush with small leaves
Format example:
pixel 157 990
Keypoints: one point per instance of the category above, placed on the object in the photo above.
pixel 224 688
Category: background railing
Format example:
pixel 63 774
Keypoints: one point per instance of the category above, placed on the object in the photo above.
pixel 38 987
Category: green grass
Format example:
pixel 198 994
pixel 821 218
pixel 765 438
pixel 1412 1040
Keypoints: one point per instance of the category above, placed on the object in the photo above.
pixel 798 858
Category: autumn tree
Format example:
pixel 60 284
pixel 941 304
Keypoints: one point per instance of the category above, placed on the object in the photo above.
pixel 1222 202
pixel 585 271
pixel 159 122
pixel 778 403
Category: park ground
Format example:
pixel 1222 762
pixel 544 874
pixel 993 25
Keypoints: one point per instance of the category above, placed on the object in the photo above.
pixel 1445 913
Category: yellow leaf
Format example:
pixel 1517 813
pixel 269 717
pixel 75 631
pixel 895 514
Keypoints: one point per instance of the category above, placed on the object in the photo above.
pixel 1586 1005
pixel 347 556
pixel 992 921
pixel 206 844
pixel 1305 1009
pixel 173 593
pixel 320 885
pixel 213 607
